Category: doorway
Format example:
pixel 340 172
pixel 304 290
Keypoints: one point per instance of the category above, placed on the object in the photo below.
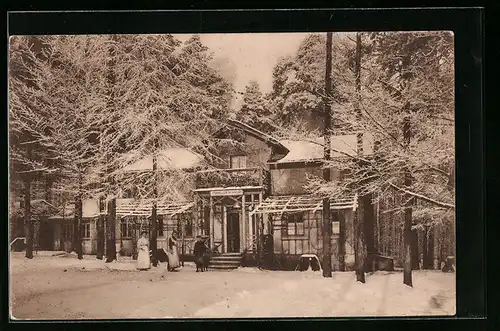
pixel 46 236
pixel 233 232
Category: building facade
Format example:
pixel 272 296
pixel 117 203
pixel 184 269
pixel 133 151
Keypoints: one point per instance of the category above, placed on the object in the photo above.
pixel 249 198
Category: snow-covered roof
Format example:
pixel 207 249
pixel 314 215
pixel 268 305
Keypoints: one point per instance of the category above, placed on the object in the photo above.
pixel 312 150
pixel 90 209
pixel 39 207
pixel 170 158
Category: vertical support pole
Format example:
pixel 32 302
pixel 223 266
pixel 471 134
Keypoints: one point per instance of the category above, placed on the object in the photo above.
pixel 196 220
pixel 243 244
pixel 224 228
pixel 211 222
pixel 250 231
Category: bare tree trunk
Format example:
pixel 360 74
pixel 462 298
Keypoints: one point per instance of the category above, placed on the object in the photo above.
pixel 77 222
pixel 415 256
pixel 342 242
pixel 407 264
pixel 153 237
pixel 359 247
pixel 110 231
pixel 428 252
pixel 110 234
pixel 100 231
pixel 260 246
pixel 154 218
pixel 368 231
pixel 327 241
pixel 359 215
pixel 77 227
pixel 28 223
pixel 425 248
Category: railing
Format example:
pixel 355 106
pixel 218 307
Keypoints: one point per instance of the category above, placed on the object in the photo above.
pixel 17 240
pixel 229 178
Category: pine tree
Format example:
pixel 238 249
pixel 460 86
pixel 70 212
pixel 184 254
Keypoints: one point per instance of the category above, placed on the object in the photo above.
pixel 254 110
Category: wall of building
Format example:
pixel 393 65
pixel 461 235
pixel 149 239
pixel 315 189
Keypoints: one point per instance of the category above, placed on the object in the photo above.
pixel 257 151
pixel 292 180
pixel 311 242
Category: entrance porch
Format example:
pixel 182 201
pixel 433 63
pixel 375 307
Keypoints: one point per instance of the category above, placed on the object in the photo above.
pixel 223 215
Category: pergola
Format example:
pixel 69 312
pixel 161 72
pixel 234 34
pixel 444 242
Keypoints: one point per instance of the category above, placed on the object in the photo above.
pixel 145 207
pixel 284 204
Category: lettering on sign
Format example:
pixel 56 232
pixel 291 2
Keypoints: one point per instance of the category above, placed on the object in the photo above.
pixel 225 193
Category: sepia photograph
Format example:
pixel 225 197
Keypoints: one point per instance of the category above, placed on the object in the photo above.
pixel 235 175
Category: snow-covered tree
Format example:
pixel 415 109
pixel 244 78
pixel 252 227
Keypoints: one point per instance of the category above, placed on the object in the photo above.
pixel 102 103
pixel 254 111
pixel 406 102
pixel 297 97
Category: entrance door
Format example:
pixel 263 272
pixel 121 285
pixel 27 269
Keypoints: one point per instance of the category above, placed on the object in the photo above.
pixel 46 236
pixel 233 232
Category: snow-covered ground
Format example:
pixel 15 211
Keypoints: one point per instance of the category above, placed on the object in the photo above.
pixel 311 295
pixel 61 287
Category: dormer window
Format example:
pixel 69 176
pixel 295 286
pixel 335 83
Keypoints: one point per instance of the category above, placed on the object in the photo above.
pixel 238 162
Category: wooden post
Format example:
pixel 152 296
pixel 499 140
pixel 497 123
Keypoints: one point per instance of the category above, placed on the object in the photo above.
pixel 243 224
pixel 212 222
pixel 250 231
pixel 182 219
pixel 224 228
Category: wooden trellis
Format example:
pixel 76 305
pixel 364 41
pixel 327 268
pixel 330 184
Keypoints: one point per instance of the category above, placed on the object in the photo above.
pixel 287 204
pixel 144 208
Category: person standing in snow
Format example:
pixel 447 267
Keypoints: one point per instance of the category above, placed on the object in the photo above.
pixel 172 253
pixel 143 259
pixel 199 252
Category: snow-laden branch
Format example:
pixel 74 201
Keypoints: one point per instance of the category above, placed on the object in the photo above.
pixel 423 197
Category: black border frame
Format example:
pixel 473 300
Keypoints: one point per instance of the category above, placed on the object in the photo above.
pixel 467 25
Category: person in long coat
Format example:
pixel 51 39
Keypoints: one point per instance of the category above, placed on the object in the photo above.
pixel 143 258
pixel 199 251
pixel 172 253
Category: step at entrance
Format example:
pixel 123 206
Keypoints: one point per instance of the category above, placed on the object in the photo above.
pixel 226 261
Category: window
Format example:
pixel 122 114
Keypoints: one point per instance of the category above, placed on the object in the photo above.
pixel 67 232
pixel 126 229
pixel 160 226
pixel 335 217
pixel 102 205
pixel 293 224
pixel 85 227
pixel 238 162
pixel 335 227
pixel 187 222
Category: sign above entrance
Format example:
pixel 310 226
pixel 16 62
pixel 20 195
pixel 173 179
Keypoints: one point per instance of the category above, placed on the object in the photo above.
pixel 225 193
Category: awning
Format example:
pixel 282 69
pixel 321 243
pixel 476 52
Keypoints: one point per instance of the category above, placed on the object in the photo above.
pixel 285 204
pixel 131 207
